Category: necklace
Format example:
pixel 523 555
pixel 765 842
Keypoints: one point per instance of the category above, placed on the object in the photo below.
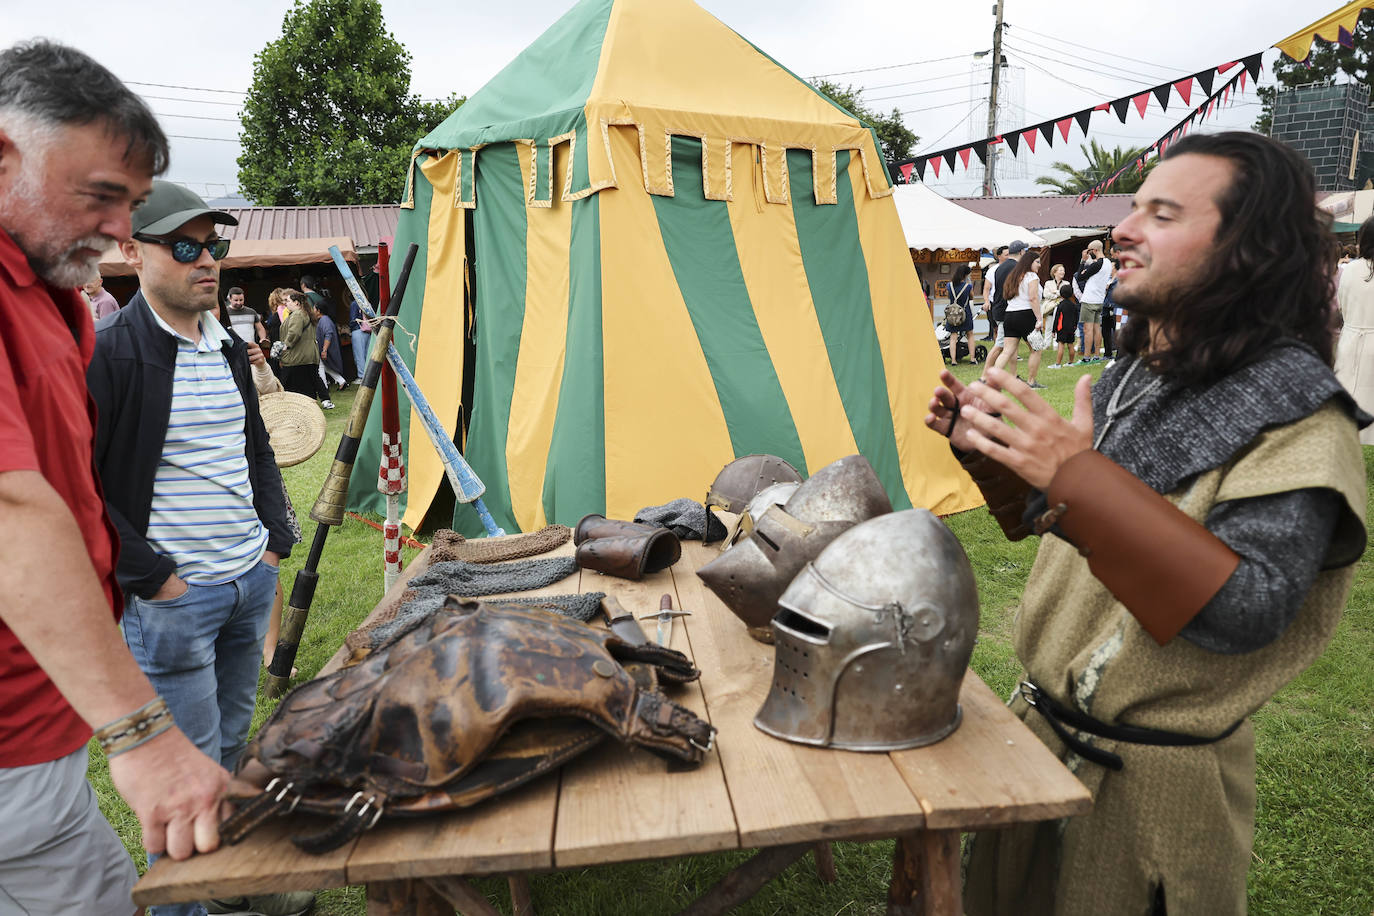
pixel 1115 407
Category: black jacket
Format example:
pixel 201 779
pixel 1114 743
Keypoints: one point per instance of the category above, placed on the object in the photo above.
pixel 130 378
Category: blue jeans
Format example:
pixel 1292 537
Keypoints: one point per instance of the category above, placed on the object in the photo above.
pixel 202 651
pixel 361 342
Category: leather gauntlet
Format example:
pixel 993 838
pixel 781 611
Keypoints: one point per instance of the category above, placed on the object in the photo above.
pixel 1003 489
pixel 1163 566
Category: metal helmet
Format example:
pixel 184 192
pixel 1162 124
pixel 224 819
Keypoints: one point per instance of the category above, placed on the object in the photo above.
pixel 776 495
pixel 873 637
pixel 744 478
pixel 751 576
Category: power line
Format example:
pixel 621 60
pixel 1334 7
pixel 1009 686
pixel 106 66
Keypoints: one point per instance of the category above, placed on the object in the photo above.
pixel 1099 51
pixel 927 79
pixel 196 117
pixel 188 88
pixel 1078 86
pixel 916 111
pixel 913 63
pixel 169 98
pixel 1118 73
pixel 904 95
pixel 957 125
pixel 217 139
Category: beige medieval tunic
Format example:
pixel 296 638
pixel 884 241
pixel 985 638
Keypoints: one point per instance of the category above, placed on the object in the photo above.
pixel 1177 817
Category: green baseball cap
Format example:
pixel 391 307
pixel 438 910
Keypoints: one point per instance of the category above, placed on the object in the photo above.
pixel 169 207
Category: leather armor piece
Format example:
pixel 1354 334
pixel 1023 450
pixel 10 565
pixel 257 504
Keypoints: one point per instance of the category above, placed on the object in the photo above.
pixel 478 699
pixel 632 555
pixel 599 526
pixel 1163 566
pixel 1003 489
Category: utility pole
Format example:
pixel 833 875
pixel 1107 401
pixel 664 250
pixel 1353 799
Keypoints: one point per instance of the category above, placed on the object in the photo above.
pixel 990 170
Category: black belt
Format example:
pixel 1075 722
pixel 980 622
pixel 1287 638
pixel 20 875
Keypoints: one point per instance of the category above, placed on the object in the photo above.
pixel 1061 718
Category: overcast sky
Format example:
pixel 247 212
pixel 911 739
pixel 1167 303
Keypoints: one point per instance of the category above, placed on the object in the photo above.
pixel 458 46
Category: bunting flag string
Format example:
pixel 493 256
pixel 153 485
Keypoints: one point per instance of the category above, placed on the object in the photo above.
pixel 914 167
pixel 1204 110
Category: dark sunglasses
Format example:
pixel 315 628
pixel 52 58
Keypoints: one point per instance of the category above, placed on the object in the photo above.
pixel 186 251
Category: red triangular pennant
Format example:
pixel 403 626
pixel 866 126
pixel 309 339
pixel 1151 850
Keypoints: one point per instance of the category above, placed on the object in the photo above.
pixel 963 154
pixel 1140 166
pixel 906 172
pixel 1103 107
pixel 1242 80
pixel 1211 105
pixel 1064 128
pixel 1226 96
pixel 1140 102
pixel 1029 137
pixel 1184 88
pixel 935 164
pixel 1224 67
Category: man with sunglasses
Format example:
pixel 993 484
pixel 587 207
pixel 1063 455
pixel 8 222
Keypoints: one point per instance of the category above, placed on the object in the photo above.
pixel 190 482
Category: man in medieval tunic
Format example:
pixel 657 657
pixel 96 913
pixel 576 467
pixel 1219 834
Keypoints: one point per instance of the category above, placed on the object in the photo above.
pixel 1201 517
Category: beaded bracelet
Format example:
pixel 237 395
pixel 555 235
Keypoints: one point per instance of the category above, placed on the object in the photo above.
pixel 138 727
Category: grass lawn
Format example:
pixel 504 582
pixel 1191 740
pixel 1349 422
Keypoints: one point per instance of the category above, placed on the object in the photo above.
pixel 1314 842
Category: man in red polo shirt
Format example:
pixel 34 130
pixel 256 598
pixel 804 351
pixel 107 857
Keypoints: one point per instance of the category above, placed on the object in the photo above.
pixel 78 152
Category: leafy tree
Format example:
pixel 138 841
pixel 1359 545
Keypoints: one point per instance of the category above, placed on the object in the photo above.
pixel 1326 61
pixel 1102 163
pixel 329 118
pixel 894 136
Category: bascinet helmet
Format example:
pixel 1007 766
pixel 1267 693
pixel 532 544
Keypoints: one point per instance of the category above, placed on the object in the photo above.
pixel 872 639
pixel 750 576
pixel 744 478
pixel 776 495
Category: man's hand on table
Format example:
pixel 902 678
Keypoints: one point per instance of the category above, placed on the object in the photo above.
pixel 175 790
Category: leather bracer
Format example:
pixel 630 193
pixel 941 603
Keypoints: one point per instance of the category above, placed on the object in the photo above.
pixel 1003 489
pixel 1163 566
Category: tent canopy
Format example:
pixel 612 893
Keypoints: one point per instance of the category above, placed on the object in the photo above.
pixel 681 253
pixel 931 221
pixel 251 253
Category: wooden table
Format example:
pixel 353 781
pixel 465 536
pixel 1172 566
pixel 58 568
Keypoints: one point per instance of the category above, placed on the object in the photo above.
pixel 617 805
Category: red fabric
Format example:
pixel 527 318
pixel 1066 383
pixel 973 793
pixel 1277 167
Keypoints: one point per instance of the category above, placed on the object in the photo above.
pixel 963 154
pixel 906 172
pixel 935 163
pixel 1185 89
pixel 47 424
pixel 1029 138
pixel 1064 128
pixel 1141 101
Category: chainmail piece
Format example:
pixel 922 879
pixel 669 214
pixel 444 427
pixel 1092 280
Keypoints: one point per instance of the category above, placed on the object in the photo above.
pixel 686 518
pixel 450 545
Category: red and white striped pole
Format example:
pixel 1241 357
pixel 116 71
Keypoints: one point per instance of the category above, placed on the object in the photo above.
pixel 391 477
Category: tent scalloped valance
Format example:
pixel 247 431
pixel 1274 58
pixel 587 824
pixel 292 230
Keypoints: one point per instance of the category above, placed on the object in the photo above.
pixel 716 168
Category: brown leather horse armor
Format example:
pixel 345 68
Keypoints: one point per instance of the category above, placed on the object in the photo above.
pixel 477 699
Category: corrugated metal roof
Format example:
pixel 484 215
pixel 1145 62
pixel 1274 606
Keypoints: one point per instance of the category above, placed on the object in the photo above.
pixel 365 225
pixel 1047 212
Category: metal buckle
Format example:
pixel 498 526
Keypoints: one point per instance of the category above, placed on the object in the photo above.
pixel 1028 692
pixel 710 742
pixel 362 812
pixel 285 790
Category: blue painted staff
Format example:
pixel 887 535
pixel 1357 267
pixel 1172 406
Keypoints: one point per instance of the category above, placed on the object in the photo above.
pixel 328 510
pixel 466 485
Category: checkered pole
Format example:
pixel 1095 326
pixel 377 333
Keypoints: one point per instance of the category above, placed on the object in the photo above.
pixel 391 477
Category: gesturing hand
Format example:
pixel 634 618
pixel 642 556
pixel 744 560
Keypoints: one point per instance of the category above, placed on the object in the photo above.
pixel 952 405
pixel 1038 440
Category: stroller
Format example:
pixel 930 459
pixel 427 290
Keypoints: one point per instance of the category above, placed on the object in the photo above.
pixel 980 352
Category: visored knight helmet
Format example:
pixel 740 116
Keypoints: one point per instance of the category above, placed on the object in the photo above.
pixel 873 637
pixel 750 576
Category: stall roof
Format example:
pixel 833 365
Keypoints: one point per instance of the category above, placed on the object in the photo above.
pixel 364 224
pixel 1045 211
pixel 931 221
pixel 253 253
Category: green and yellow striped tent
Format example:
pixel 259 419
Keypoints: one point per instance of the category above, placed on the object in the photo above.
pixel 647 248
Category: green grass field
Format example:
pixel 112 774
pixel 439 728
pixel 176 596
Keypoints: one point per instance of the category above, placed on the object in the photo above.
pixel 1314 843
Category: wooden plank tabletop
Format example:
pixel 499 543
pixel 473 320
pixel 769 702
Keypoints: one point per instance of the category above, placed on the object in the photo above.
pixel 616 804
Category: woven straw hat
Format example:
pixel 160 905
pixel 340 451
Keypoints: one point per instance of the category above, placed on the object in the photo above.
pixel 295 424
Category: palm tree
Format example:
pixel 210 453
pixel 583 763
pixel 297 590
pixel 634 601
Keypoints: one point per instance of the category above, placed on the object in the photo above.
pixel 1102 163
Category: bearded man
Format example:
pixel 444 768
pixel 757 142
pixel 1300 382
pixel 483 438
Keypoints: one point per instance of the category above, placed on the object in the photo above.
pixel 78 152
pixel 1202 514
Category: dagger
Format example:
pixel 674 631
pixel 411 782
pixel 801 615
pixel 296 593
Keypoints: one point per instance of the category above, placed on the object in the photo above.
pixel 665 616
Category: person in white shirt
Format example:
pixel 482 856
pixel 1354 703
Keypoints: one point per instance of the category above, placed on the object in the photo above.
pixel 1022 290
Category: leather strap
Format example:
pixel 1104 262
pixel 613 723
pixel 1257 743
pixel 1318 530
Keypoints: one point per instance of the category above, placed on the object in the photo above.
pixel 1163 566
pixel 669 730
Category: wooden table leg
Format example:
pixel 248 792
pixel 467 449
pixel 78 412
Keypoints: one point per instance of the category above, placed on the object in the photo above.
pixel 925 875
pixel 825 862
pixel 412 897
pixel 744 881
pixel 460 894
pixel 521 900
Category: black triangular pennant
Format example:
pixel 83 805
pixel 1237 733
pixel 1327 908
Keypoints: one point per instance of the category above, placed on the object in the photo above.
pixel 1120 106
pixel 949 159
pixel 981 151
pixel 1162 93
pixel 1083 117
pixel 920 165
pixel 1205 80
pixel 1252 64
pixel 1013 141
pixel 1047 131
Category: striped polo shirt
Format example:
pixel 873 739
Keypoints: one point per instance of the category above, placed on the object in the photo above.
pixel 202 513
